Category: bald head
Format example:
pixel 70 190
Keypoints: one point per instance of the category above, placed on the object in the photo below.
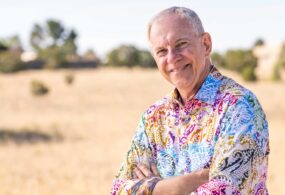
pixel 182 12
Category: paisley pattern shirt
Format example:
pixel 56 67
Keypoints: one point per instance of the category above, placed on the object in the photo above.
pixel 223 127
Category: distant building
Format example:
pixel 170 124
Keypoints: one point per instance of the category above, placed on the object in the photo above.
pixel 267 56
pixel 32 61
pixel 28 56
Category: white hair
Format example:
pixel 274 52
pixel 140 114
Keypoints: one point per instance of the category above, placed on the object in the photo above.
pixel 182 12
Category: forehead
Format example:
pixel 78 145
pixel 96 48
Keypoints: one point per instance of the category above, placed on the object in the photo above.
pixel 170 28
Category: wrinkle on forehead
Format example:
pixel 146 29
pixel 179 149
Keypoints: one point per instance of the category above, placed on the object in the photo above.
pixel 168 18
pixel 168 30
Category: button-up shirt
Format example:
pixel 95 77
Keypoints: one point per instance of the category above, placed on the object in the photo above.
pixel 223 127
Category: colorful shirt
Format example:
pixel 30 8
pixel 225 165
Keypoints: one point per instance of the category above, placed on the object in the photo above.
pixel 222 127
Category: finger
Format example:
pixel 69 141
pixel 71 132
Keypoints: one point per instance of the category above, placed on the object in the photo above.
pixel 138 173
pixel 154 169
pixel 146 171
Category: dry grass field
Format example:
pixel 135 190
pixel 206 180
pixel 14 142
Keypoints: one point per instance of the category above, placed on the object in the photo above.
pixel 72 141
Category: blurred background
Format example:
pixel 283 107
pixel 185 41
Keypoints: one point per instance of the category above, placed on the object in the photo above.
pixel 75 76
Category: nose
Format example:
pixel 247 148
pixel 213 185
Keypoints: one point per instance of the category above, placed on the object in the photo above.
pixel 173 56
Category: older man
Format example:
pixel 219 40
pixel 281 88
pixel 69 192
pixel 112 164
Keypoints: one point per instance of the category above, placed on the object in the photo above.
pixel 208 136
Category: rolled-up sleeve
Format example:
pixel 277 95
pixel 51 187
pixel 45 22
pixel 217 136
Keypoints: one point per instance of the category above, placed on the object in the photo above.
pixel 239 164
pixel 139 153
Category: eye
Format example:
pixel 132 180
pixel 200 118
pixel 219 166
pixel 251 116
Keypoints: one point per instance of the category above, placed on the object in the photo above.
pixel 181 45
pixel 161 52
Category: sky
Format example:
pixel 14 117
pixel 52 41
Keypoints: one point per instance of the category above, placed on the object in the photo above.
pixel 105 24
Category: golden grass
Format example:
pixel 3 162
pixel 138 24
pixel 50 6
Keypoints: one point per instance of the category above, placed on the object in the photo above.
pixel 96 116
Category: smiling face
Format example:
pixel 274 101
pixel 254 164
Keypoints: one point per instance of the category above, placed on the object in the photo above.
pixel 182 56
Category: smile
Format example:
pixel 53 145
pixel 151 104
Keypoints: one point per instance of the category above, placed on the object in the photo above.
pixel 181 68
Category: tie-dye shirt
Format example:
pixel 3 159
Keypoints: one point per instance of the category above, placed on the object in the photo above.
pixel 222 127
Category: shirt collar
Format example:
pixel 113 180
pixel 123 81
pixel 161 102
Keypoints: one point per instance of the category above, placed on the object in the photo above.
pixel 206 93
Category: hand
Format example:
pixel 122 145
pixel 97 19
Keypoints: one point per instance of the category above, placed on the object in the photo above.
pixel 142 171
pixel 203 175
pixel 182 185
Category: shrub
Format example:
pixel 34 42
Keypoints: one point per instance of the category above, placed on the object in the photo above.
pixel 276 72
pixel 38 88
pixel 10 62
pixel 54 43
pixel 146 59
pixel 69 78
pixel 238 59
pixel 125 55
pixel 259 42
pixel 54 58
pixel 218 59
pixel 248 73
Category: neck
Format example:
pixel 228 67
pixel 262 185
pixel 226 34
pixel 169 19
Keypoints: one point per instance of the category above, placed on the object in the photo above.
pixel 186 94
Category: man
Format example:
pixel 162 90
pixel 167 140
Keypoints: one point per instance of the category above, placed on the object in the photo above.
pixel 208 136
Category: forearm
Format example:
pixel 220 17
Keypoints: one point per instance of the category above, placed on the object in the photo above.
pixel 134 186
pixel 181 185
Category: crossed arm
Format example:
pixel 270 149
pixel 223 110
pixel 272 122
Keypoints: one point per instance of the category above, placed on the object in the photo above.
pixel 139 174
pixel 238 166
pixel 178 185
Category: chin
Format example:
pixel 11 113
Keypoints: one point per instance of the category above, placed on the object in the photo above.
pixel 182 84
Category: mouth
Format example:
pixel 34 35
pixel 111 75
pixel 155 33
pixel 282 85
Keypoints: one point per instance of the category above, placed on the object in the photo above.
pixel 181 68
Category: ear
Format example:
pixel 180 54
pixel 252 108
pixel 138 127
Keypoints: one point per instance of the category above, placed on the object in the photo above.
pixel 207 42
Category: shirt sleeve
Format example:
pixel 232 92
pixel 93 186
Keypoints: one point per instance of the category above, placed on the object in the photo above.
pixel 239 164
pixel 139 152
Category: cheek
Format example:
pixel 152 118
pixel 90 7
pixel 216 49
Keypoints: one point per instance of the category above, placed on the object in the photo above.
pixel 161 63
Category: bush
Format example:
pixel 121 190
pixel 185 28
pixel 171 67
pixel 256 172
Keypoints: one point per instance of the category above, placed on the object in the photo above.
pixel 54 43
pixel 125 55
pixel 146 59
pixel 238 59
pixel 69 78
pixel 259 42
pixel 3 46
pixel 218 59
pixel 276 72
pixel 10 62
pixel 38 88
pixel 54 57
pixel 248 73
pixel 243 62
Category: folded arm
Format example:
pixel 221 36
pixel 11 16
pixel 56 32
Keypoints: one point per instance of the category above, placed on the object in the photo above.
pixel 139 175
pixel 126 181
pixel 239 164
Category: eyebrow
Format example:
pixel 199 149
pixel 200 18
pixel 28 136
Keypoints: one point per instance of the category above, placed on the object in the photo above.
pixel 158 48
pixel 178 40
pixel 182 39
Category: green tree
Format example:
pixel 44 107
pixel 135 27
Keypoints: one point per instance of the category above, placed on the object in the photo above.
pixel 10 62
pixel 129 55
pixel 218 59
pixel 124 55
pixel 55 31
pixel 248 73
pixel 10 55
pixel 37 38
pixel 259 42
pixel 54 43
pixel 237 59
pixel 243 62
pixel 12 43
pixel 3 47
pixel 146 59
